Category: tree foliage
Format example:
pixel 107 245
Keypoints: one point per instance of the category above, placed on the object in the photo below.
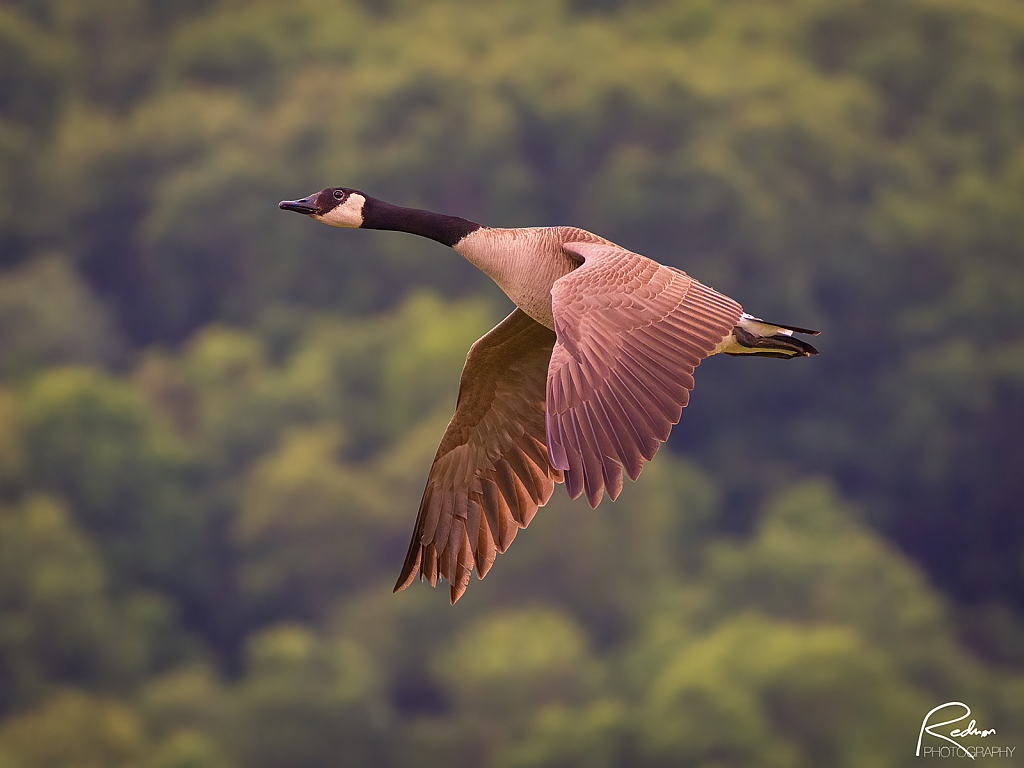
pixel 215 419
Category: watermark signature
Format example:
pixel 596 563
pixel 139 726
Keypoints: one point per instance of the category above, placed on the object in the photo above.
pixel 954 746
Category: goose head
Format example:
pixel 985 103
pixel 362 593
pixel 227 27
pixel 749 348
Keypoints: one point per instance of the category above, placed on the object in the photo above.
pixel 337 206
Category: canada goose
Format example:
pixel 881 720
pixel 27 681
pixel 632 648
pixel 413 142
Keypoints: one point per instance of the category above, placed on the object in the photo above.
pixel 584 379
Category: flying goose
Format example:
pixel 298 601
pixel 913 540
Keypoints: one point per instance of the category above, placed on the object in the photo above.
pixel 584 379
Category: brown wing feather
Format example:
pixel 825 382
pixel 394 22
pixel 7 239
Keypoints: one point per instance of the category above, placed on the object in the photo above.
pixel 630 333
pixel 491 471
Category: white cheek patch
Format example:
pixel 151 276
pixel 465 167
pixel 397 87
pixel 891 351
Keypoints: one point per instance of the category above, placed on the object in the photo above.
pixel 348 214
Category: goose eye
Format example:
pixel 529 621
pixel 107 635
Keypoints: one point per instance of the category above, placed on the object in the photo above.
pixel 338 194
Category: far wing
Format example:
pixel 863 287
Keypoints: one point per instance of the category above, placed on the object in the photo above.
pixel 491 471
pixel 630 334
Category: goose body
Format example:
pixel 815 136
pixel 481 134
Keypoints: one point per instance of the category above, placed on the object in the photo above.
pixel 583 380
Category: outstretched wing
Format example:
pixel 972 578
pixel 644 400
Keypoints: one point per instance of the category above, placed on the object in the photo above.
pixel 630 334
pixel 491 471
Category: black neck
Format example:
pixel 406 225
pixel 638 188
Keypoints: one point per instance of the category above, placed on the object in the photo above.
pixel 445 229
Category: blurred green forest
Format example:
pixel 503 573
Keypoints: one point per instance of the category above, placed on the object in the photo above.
pixel 217 418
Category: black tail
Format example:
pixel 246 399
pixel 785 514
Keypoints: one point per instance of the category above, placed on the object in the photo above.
pixel 761 339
